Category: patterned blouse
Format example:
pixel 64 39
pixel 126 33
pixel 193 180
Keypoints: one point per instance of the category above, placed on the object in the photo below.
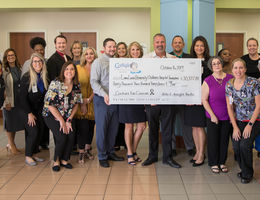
pixel 56 96
pixel 244 99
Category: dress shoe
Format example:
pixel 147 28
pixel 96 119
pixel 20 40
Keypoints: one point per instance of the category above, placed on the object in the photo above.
pixel 172 163
pixel 197 164
pixel 191 152
pixel 33 163
pixel 246 180
pixel 56 168
pixel 192 160
pixel 174 153
pixel 114 157
pixel 149 161
pixel 103 163
pixel 67 166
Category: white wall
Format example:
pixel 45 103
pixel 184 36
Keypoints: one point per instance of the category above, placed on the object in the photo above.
pixel 123 25
pixel 239 21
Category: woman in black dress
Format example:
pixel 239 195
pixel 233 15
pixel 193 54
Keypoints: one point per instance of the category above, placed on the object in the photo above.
pixel 131 114
pixel 12 112
pixel 195 114
pixel 121 52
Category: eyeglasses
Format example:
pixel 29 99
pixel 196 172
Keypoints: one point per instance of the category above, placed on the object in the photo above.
pixel 37 61
pixel 11 55
pixel 217 63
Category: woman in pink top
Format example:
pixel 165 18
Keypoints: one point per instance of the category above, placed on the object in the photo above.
pixel 218 124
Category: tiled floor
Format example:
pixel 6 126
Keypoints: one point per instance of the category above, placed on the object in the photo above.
pixel 121 181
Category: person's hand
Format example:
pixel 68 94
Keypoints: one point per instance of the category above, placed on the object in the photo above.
pixel 31 119
pixel 247 131
pixel 236 134
pixel 63 126
pixel 8 107
pixel 83 108
pixel 69 127
pixel 106 99
pixel 214 119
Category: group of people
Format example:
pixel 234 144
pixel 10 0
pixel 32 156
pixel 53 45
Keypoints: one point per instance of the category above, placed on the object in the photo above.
pixel 70 95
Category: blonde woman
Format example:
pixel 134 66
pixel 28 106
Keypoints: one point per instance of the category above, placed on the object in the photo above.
pixel 85 120
pixel 133 115
pixel 76 50
pixel 34 85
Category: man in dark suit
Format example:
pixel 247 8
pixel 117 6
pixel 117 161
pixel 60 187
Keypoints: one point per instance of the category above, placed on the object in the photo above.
pixel 178 46
pixel 57 59
pixel 160 115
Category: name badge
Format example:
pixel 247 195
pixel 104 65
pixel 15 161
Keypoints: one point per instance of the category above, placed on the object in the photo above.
pixel 34 89
pixel 230 100
pixel 66 102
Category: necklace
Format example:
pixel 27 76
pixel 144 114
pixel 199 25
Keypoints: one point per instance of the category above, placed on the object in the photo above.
pixel 219 80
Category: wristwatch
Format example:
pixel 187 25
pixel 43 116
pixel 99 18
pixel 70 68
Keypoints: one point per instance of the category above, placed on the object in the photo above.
pixel 69 120
pixel 250 123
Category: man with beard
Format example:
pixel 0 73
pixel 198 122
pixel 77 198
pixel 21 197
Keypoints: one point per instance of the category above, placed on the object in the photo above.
pixel 106 115
pixel 160 115
pixel 177 46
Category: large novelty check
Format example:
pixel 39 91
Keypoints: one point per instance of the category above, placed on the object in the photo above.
pixel 154 81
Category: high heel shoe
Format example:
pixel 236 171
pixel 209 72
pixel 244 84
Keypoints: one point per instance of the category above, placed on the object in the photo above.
pixel 136 158
pixel 132 162
pixel 199 164
pixel 12 150
pixel 88 154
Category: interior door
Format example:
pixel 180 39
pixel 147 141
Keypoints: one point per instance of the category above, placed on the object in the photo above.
pixel 232 41
pixel 88 39
pixel 20 42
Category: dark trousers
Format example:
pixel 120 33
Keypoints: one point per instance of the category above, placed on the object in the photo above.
pixel 31 134
pixel 106 118
pixel 243 149
pixel 218 139
pixel 120 138
pixel 44 138
pixel 164 115
pixel 43 130
pixel 63 142
pixel 84 132
pixel 186 130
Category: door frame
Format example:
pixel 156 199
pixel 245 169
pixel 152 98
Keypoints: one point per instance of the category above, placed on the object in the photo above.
pixel 26 31
pixel 83 31
pixel 245 37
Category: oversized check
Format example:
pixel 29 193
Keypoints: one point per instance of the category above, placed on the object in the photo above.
pixel 154 81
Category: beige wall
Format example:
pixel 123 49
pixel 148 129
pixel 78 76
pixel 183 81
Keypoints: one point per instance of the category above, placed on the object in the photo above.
pixel 123 25
pixel 247 22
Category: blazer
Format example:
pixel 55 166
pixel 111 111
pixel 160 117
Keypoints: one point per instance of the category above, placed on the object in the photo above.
pixel 30 102
pixel 9 88
pixel 54 65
